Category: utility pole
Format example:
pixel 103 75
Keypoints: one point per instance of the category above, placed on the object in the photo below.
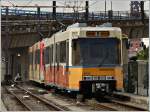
pixel 142 11
pixel 110 12
pixel 111 5
pixel 38 13
pixel 54 10
pixel 86 10
pixel 38 18
pixel 105 8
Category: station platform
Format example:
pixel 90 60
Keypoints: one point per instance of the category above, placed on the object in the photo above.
pixel 135 99
pixel 3 108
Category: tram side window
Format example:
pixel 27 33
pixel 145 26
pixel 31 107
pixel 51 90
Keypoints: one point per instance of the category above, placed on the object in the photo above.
pixel 63 52
pixel 36 59
pixel 51 54
pixel 31 58
pixel 33 55
pixel 57 52
pixel 46 55
pixel 76 53
pixel 38 56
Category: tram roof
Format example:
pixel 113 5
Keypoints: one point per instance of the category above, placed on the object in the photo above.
pixel 66 34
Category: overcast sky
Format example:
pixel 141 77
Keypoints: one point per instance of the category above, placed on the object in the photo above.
pixel 95 5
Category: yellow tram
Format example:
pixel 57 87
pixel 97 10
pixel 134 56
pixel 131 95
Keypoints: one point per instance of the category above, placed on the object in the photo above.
pixel 80 59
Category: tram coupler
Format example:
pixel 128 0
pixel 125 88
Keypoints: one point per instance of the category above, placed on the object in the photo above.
pixel 96 88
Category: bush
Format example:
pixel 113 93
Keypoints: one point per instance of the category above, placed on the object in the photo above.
pixel 143 55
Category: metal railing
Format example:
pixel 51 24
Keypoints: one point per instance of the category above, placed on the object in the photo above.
pixel 101 15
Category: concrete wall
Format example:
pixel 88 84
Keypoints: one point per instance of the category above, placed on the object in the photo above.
pixel 142 81
pixel 3 66
pixel 16 63
pixel 3 71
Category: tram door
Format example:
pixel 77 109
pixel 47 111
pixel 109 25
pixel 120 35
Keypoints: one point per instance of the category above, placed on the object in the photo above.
pixel 61 56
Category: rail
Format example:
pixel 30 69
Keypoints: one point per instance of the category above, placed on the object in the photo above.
pixel 112 104
pixel 18 93
pixel 129 105
pixel 125 102
pixel 42 100
pixel 26 106
pixel 105 107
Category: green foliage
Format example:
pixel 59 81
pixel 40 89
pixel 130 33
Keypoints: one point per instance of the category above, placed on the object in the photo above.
pixel 143 55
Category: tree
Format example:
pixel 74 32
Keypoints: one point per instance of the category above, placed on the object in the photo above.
pixel 144 54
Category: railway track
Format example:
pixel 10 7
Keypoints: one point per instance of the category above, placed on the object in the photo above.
pixel 25 97
pixel 30 101
pixel 115 105
pixel 128 106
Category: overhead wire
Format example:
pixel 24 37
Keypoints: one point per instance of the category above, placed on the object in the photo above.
pixel 11 3
pixel 29 2
pixel 93 3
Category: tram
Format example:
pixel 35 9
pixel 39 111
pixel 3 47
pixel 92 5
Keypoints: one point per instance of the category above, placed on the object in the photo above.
pixel 81 59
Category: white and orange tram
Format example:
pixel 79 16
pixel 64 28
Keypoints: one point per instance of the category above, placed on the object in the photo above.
pixel 81 59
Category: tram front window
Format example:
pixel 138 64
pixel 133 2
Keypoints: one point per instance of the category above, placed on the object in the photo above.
pixel 95 52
